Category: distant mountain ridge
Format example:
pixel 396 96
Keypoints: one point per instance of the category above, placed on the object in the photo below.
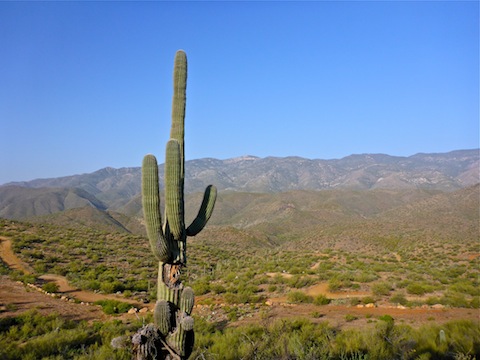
pixel 119 189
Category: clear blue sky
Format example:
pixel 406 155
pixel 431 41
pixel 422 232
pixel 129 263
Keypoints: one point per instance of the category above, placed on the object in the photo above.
pixel 85 85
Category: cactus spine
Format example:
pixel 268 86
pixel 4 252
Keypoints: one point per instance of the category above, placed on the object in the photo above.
pixel 167 239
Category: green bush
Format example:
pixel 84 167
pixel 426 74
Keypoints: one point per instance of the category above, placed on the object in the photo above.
pixel 217 288
pixel 417 289
pixel 298 297
pixel 334 284
pixel 454 299
pixel 475 302
pixel 399 298
pixel 387 318
pixel 298 282
pixel 321 300
pixel 350 317
pixel 272 288
pixel 50 287
pixel 381 289
pixel 200 287
pixel 368 300
pixel 111 307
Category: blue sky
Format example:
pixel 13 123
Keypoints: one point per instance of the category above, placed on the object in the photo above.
pixel 85 85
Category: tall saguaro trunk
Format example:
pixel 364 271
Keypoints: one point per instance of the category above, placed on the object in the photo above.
pixel 171 336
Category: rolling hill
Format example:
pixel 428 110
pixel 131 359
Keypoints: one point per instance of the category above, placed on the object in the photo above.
pixel 119 189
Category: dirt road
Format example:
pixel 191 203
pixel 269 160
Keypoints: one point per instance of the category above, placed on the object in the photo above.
pixel 9 257
pixel 15 296
pixel 64 287
pixel 15 299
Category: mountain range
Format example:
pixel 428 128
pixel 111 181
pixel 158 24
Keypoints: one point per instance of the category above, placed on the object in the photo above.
pixel 115 193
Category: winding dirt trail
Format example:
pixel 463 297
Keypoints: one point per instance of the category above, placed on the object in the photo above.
pixel 9 257
pixel 64 287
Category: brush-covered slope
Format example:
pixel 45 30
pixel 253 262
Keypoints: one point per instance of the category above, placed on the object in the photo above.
pixel 21 203
pixel 114 187
pixel 92 218
pixel 346 219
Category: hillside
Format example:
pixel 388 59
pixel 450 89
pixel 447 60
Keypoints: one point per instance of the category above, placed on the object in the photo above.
pixel 349 219
pixel 119 189
pixel 20 202
pixel 345 219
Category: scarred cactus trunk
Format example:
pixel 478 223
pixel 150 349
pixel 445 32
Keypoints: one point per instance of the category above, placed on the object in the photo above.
pixel 171 337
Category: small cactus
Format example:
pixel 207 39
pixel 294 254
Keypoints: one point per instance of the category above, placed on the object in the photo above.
pixel 442 337
pixel 172 315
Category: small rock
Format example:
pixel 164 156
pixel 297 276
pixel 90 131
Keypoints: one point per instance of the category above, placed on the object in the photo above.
pixel 143 310
pixel 133 310
pixel 370 305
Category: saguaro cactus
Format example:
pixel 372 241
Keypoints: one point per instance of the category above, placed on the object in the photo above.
pixel 172 335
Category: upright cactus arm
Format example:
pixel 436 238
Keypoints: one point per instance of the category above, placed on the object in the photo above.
pixel 177 131
pixel 174 190
pixel 206 210
pixel 151 208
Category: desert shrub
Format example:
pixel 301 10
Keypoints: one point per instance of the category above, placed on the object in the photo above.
pixel 454 299
pixel 350 317
pixel 200 287
pixel 50 287
pixel 298 297
pixel 475 302
pixel 241 298
pixel 387 318
pixel 365 277
pixel 272 288
pixel 316 315
pixel 140 285
pixel 432 300
pixel 279 279
pixel 300 281
pixel 354 301
pixel 93 285
pixel 111 287
pixel 334 284
pixel 321 300
pixel 111 307
pixel 418 288
pixel 381 288
pixel 217 288
pixel 399 298
pixel 465 287
pixel 368 300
